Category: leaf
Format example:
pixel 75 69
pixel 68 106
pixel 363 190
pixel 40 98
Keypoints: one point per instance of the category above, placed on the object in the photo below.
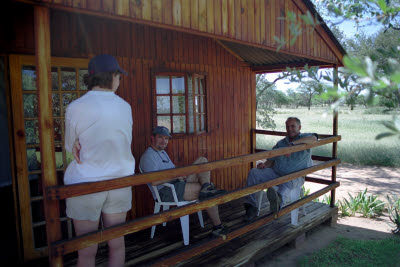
pixel 382 5
pixel 354 65
pixel 390 125
pixel 383 135
pixel 395 77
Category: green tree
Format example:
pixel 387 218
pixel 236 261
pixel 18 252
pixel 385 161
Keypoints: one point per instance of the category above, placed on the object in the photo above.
pixel 308 89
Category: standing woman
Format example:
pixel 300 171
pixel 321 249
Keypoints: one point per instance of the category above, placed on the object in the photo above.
pixel 98 132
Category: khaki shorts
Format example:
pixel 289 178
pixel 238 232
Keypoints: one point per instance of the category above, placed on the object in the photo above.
pixel 89 207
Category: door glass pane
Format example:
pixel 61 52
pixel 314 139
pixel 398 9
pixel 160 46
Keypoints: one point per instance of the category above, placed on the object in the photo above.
pixel 196 86
pixel 178 85
pixel 37 211
pixel 201 86
pixel 82 85
pixel 56 104
pixel 179 124
pixel 31 132
pixel 28 78
pixel 164 121
pixel 35 185
pixel 68 98
pixel 30 105
pixel 54 79
pixel 57 130
pixel 190 105
pixel 69 157
pixel 198 123
pixel 39 236
pixel 33 157
pixel 68 79
pixel 162 84
pixel 196 104
pixel 201 104
pixel 163 105
pixel 59 157
pixel 202 128
pixel 178 104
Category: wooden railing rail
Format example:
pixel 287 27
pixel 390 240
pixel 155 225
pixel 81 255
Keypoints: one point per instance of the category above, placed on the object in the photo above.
pixel 63 247
pixel 278 133
pixel 66 191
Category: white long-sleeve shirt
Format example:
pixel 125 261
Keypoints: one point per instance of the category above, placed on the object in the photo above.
pixel 102 122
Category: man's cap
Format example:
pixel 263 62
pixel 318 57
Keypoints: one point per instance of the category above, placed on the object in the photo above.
pixel 104 63
pixel 161 130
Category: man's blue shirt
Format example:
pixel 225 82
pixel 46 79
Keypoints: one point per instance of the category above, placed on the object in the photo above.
pixel 296 161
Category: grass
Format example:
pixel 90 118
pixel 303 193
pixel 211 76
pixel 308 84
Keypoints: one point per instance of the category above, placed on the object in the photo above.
pixel 358 130
pixel 347 252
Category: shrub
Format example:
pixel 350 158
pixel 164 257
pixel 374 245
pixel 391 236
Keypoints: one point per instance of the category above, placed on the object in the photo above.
pixel 394 213
pixel 368 205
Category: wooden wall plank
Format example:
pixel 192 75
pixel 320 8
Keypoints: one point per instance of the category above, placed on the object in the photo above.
pixel 122 7
pixel 217 17
pixel 210 16
pixel 257 21
pixel 194 14
pixel 156 8
pixel 94 5
pixel 238 19
pixel 262 23
pixel 108 6
pixel 273 21
pixel 185 13
pixel 224 17
pixel 244 11
pixel 176 13
pixel 167 11
pixel 231 18
pixel 203 15
pixel 146 10
pixel 250 21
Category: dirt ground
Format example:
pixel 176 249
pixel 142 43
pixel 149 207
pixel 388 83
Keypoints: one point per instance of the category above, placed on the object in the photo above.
pixel 353 179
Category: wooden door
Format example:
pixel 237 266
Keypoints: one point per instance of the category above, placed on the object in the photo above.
pixel 67 85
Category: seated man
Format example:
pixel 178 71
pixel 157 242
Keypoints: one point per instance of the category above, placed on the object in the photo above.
pixel 192 187
pixel 280 166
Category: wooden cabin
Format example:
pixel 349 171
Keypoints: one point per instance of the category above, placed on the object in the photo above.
pixel 210 50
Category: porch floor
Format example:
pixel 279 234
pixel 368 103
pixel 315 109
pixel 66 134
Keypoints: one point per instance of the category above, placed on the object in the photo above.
pixel 168 241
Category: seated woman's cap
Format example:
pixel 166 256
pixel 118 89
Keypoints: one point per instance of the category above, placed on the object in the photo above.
pixel 161 130
pixel 104 63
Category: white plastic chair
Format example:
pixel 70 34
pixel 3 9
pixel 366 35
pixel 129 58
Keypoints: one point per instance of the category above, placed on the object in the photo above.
pixel 294 195
pixel 184 219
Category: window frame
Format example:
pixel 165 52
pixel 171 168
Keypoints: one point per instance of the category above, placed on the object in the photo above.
pixel 155 115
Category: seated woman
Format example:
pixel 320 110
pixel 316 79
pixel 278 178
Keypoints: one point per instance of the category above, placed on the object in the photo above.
pixel 98 132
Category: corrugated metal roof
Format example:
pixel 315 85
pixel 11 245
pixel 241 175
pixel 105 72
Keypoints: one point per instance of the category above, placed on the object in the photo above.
pixel 263 57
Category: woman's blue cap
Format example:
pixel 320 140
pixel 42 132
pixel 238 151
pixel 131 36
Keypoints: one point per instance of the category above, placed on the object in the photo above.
pixel 104 63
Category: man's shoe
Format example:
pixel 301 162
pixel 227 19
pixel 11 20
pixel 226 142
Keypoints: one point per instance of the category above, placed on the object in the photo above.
pixel 251 212
pixel 275 199
pixel 220 231
pixel 209 190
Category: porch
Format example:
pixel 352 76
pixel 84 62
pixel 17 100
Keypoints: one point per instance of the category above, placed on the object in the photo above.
pixel 167 246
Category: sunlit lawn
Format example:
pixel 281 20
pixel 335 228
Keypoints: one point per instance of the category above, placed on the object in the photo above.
pixel 347 252
pixel 358 131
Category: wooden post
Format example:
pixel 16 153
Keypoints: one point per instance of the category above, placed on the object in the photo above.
pixel 253 125
pixel 46 130
pixel 335 132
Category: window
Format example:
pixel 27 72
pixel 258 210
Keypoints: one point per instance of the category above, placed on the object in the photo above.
pixel 180 102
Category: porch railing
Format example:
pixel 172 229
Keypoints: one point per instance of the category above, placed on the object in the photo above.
pixel 55 193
